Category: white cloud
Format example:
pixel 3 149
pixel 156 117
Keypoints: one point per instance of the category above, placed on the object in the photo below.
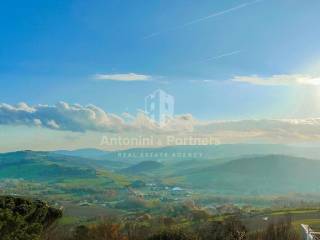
pixel 90 118
pixel 124 77
pixel 268 130
pixel 280 80
pixel 53 124
pixel 37 122
pixel 62 116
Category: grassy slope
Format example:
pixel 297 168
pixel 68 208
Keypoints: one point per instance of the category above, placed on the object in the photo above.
pixel 48 167
pixel 263 174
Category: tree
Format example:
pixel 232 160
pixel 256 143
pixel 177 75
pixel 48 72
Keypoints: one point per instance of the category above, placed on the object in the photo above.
pixel 22 219
pixel 106 230
pixel 172 235
pixel 281 230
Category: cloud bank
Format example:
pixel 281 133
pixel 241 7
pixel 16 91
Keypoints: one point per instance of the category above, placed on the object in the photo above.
pixel 62 116
pixel 90 118
pixel 280 80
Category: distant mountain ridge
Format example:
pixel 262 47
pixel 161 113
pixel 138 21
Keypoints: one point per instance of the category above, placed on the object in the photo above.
pixel 190 152
pixel 177 153
pixel 84 152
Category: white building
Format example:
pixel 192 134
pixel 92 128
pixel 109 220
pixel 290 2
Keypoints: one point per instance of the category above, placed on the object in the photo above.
pixel 309 234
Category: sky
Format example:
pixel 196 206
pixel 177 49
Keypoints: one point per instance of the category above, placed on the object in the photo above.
pixel 223 61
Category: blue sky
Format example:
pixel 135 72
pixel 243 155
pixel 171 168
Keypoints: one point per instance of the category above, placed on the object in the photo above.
pixel 51 51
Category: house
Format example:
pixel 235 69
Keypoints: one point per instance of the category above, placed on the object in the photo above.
pixel 309 234
pixel 178 191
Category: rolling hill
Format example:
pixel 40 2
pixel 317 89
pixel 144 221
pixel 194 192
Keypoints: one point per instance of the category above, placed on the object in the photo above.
pixel 270 174
pixel 42 166
pixel 237 174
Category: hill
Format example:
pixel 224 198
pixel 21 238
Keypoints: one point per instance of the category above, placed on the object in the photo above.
pixel 91 153
pixel 242 175
pixel 184 153
pixel 42 166
pixel 143 167
pixel 48 166
pixel 270 174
